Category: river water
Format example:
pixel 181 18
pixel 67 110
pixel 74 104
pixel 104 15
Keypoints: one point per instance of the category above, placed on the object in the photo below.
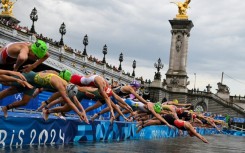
pixel 217 144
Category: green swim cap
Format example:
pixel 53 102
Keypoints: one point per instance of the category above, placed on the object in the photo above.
pixel 39 48
pixel 66 75
pixel 157 107
pixel 175 101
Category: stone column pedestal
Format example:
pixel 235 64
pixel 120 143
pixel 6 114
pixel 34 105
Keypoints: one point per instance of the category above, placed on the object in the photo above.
pixel 176 76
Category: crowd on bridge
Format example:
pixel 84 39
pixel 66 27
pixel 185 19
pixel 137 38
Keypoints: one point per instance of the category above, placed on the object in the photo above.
pixel 67 48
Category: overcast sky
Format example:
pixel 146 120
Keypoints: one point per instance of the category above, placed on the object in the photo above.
pixel 140 29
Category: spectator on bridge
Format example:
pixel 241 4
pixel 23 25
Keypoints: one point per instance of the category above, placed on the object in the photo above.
pixel 17 53
pixel 164 99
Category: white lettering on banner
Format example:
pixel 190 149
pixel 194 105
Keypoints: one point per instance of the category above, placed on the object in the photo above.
pixel 12 139
pixel 163 133
pixel 42 137
pixel 53 134
pixel 33 135
pixel 2 140
pixel 62 138
pixel 20 138
pixel 142 133
pixel 154 134
pixel 18 96
pixel 45 133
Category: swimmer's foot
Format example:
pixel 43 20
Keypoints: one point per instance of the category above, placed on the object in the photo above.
pixel 42 106
pixel 5 111
pixel 130 119
pixel 139 128
pixel 59 115
pixel 112 120
pixel 45 114
pixel 139 124
pixel 94 117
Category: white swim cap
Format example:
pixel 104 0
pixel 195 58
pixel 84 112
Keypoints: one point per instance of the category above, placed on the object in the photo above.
pixel 72 90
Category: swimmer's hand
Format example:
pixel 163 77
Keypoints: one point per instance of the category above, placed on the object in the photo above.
pixel 171 126
pixel 220 131
pixel 134 114
pixel 25 84
pixel 148 105
pixel 130 119
pixel 83 117
pixel 181 132
pixel 111 120
pixel 130 109
pixel 18 74
pixel 127 119
pixel 112 114
pixel 27 68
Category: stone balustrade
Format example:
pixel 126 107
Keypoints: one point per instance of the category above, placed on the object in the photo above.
pixel 64 59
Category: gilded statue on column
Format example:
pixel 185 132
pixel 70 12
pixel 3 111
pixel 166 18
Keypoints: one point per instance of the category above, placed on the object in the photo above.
pixel 182 7
pixel 7 7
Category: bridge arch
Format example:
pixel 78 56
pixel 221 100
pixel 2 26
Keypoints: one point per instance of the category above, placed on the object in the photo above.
pixel 200 104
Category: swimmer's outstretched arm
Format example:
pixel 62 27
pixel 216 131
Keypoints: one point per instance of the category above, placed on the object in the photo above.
pixel 137 96
pixel 122 102
pixel 64 95
pixel 13 73
pixel 78 104
pixel 191 130
pixel 158 116
pixel 9 81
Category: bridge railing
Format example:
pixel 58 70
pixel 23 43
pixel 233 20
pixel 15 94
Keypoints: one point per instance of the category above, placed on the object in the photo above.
pixel 237 128
pixel 228 103
pixel 74 60
pixel 218 99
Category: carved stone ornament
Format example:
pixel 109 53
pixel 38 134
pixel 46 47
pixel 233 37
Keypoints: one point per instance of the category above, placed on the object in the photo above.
pixel 178 43
pixel 223 88
pixel 174 82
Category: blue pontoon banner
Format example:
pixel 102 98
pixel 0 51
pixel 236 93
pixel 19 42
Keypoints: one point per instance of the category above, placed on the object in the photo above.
pixel 22 130
pixel 31 129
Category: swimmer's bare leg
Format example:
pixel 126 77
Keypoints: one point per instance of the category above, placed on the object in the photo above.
pixel 94 117
pixel 5 111
pixel 45 114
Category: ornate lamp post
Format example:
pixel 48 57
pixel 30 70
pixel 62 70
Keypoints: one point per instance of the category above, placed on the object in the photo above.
pixel 159 66
pixel 62 31
pixel 34 18
pixel 195 81
pixel 104 51
pixel 134 66
pixel 85 42
pixel 120 60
